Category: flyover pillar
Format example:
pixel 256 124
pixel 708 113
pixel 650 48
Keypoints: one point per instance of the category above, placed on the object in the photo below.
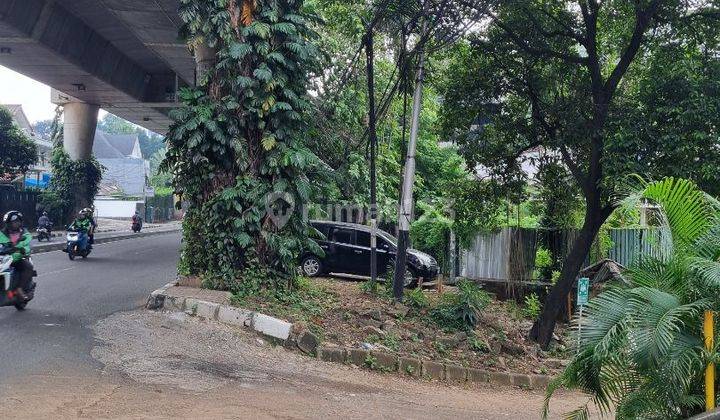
pixel 80 120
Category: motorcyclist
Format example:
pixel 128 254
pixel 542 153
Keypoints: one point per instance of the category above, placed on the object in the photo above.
pixel 136 219
pixel 90 211
pixel 16 237
pixel 45 222
pixel 83 225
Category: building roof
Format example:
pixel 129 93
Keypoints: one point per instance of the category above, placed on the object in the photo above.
pixel 125 143
pixel 20 118
pixel 114 146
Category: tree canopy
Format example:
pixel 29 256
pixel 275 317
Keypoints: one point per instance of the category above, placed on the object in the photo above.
pixel 589 84
pixel 18 151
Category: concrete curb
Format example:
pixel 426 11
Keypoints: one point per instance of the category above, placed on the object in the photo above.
pixel 59 246
pixel 282 331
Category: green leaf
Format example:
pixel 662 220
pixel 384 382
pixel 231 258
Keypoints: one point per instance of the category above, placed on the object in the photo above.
pixel 239 50
pixel 268 142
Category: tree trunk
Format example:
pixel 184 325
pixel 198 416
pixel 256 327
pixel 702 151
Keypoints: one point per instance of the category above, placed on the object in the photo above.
pixel 542 330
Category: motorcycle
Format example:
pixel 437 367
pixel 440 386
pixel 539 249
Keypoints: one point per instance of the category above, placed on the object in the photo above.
pixel 7 295
pixel 136 225
pixel 74 247
pixel 43 233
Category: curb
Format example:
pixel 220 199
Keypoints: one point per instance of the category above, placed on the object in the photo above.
pixel 283 332
pixel 59 246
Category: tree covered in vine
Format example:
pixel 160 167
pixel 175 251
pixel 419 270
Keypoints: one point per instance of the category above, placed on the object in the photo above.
pixel 74 183
pixel 236 148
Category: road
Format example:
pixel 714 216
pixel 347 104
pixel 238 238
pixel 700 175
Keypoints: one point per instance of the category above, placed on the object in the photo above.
pixel 86 349
pixel 54 333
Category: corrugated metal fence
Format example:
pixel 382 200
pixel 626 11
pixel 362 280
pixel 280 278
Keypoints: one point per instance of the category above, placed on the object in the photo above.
pixel 509 254
pixel 631 244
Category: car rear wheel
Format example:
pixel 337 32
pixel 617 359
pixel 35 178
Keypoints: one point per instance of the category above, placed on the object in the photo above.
pixel 311 266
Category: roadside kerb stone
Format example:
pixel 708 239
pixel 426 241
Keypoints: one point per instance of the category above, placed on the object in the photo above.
pixel 519 379
pixel 410 366
pixel 272 327
pixel 234 316
pixel 501 378
pixel 357 357
pixel 201 308
pixel 385 361
pixel 455 373
pixel 281 330
pixel 331 354
pixel 433 370
pixel 307 342
pixel 539 381
pixel 174 303
pixel 478 375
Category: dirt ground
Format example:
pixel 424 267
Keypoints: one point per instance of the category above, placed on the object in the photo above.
pixel 160 365
pixel 339 312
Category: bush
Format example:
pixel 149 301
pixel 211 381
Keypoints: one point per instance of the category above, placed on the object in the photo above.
pixel 532 306
pixel 416 298
pixel 461 310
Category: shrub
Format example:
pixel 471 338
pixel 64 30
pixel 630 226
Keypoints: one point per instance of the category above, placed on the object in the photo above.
pixel 461 310
pixel 416 298
pixel 532 306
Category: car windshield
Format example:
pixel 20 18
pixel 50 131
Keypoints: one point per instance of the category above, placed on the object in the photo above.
pixel 388 237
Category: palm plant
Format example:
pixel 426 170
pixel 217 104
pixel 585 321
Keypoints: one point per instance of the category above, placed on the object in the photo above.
pixel 640 347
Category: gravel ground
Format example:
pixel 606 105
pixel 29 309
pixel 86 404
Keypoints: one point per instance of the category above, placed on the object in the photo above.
pixel 162 365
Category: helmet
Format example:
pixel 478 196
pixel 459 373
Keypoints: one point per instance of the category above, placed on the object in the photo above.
pixel 13 216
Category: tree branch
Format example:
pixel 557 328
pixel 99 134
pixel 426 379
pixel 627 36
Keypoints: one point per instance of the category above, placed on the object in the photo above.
pixel 642 21
pixel 535 51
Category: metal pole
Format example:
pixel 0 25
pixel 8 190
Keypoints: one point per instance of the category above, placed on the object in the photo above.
pixel 373 148
pixel 709 332
pixel 406 205
pixel 580 311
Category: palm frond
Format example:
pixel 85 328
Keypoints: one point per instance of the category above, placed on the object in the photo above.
pixel 684 208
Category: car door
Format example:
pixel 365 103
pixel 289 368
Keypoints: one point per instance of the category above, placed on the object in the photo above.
pixel 342 256
pixel 383 253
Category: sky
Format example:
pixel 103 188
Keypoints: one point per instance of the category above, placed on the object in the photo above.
pixel 33 96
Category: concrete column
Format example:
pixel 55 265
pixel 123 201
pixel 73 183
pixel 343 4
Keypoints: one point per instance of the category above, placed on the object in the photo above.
pixel 205 59
pixel 79 129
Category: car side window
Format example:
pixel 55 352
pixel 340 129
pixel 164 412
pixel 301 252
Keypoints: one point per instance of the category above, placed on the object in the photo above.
pixel 382 243
pixel 363 239
pixel 324 229
pixel 343 236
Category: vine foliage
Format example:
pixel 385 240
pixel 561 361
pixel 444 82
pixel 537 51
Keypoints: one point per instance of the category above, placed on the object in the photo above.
pixel 236 149
pixel 74 184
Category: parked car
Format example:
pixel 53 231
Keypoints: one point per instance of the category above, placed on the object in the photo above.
pixel 347 251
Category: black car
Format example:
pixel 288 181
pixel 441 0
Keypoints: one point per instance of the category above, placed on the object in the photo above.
pixel 347 251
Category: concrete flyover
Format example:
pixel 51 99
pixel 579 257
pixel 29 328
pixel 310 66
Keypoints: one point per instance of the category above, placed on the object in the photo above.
pixel 120 55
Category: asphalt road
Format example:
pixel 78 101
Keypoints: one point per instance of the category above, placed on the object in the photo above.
pixel 54 334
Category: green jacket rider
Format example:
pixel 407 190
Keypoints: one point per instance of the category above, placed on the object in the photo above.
pixel 81 223
pixel 14 236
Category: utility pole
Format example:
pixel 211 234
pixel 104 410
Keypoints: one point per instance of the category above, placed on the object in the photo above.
pixel 406 205
pixel 372 131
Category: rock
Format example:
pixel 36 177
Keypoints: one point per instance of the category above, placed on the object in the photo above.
pixel 448 342
pixel 502 363
pixel 461 336
pixel 259 342
pixel 370 322
pixel 511 348
pixel 399 310
pixel 368 346
pixel 375 314
pixel 373 330
pixel 387 324
pixel 308 342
